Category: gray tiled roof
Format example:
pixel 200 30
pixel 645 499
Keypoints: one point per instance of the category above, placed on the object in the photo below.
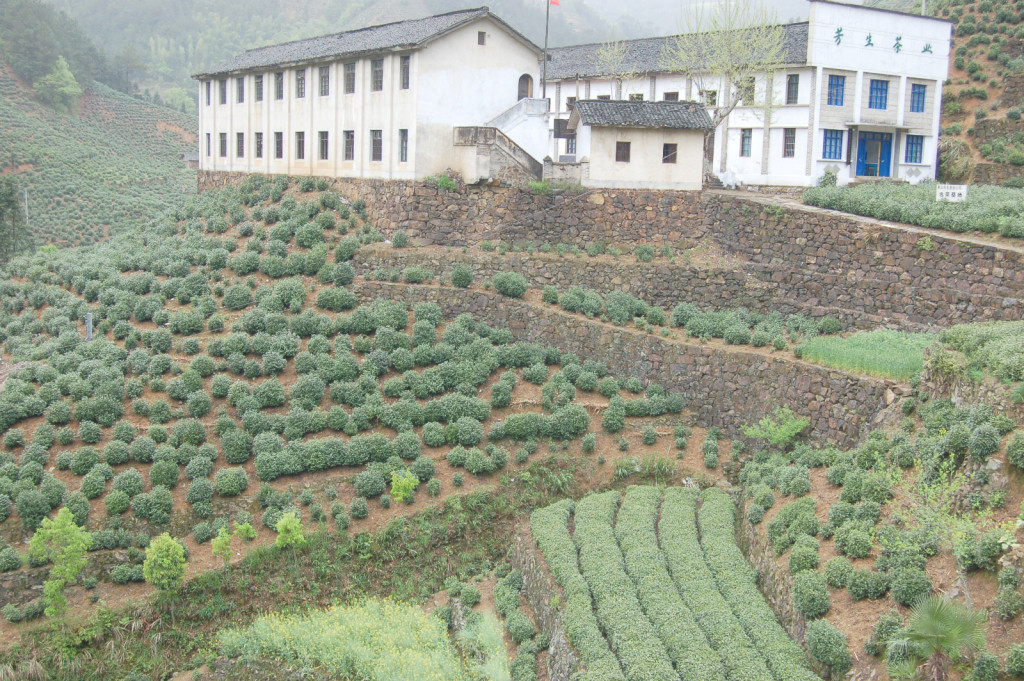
pixel 625 114
pixel 398 35
pixel 644 55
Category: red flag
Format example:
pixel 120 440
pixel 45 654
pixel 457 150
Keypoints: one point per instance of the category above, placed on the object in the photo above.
pixel 556 2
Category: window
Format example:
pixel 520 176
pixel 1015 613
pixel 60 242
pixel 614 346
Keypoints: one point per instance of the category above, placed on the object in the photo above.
pixel 376 145
pixel 832 148
pixel 570 145
pixel 258 81
pixel 570 102
pixel 745 91
pixel 350 145
pixel 259 145
pixel 604 98
pixel 279 85
pixel 915 149
pixel 836 90
pixel 300 145
pixel 222 86
pixel 278 145
pixel 917 91
pixel 209 85
pixel 668 153
pixel 481 37
pixel 671 96
pixel 240 89
pixel 325 81
pixel 377 74
pixel 788 142
pixel 622 152
pixel 350 77
pixel 240 144
pixel 792 88
pixel 403 145
pixel 636 97
pixel 324 145
pixel 746 137
pixel 878 95
pixel 300 83
pixel 223 144
pixel 208 144
pixel 404 71
pixel 710 97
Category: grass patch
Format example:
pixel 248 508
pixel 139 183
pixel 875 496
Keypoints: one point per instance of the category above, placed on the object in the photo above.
pixel 997 347
pixel 885 353
pixel 373 640
pixel 987 209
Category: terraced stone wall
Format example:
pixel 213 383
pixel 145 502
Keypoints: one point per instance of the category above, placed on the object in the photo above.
pixel 723 387
pixel 869 272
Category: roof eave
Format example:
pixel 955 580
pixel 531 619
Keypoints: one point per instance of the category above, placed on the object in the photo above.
pixel 408 47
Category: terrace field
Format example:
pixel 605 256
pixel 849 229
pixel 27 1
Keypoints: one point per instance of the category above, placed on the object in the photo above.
pixel 312 439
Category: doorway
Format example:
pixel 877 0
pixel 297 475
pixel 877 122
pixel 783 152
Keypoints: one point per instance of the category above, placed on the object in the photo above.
pixel 874 154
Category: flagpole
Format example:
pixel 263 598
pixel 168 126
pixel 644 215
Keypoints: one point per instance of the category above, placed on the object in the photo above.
pixel 544 64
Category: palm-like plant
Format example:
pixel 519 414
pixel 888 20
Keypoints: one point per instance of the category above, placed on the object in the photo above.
pixel 940 631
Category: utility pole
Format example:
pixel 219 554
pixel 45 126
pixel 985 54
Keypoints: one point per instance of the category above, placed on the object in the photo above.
pixel 544 64
pixel 26 206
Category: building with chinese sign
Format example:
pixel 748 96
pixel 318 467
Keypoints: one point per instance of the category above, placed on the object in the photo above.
pixel 859 95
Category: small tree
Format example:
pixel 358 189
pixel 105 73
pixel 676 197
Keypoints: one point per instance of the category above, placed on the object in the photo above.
pixel 725 46
pixel 403 486
pixel 59 88
pixel 944 631
pixel 778 430
pixel 64 544
pixel 222 545
pixel 613 61
pixel 289 532
pixel 164 567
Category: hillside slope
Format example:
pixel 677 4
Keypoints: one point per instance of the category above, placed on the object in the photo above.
pixel 117 164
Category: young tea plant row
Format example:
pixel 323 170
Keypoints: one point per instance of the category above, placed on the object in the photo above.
pixel 647 596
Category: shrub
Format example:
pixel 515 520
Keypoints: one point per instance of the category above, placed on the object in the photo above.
pixel 614 418
pixel 810 594
pixel 909 585
pixel 369 483
pixel 32 506
pixel 867 584
pixel 853 541
pixel 237 297
pixel 837 572
pixel 423 468
pixel 803 557
pixel 433 487
pixel 984 442
pixel 200 491
pixel 164 473
pixel 469 595
pixel 1015 450
pixel 230 482
pixel 510 284
pixel 828 646
pixel 9 560
pixel 130 482
pixel 469 431
pixel 462 275
pixel 359 509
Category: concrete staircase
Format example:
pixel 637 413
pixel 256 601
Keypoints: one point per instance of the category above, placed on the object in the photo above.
pixel 498 157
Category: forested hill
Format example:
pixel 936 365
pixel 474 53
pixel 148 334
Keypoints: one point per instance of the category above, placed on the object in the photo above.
pixel 160 43
pixel 117 163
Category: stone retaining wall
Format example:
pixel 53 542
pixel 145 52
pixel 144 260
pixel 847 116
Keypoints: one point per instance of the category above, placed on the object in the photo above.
pixel 544 597
pixel 659 283
pixel 873 272
pixel 724 386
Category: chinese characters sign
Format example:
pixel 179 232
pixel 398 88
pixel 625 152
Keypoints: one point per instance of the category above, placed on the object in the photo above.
pixel 951 192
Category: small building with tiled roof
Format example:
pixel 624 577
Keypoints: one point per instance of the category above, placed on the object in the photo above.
pixel 650 145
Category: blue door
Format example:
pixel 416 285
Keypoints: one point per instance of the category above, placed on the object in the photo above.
pixel 874 153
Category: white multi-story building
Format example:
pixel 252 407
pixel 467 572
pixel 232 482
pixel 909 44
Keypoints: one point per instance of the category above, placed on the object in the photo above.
pixel 379 102
pixel 859 95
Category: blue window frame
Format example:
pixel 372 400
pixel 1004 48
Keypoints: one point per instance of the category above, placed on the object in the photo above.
pixel 915 149
pixel 833 146
pixel 917 91
pixel 836 90
pixel 746 137
pixel 878 96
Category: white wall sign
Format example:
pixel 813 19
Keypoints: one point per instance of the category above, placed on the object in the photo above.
pixel 951 192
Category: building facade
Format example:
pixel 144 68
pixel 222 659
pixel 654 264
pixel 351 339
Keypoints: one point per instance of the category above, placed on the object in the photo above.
pixel 859 95
pixel 380 102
